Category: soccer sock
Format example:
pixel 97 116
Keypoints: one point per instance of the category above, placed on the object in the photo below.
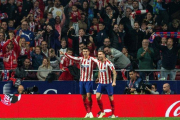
pixel 85 104
pixel 90 106
pixel 112 106
pixel 100 104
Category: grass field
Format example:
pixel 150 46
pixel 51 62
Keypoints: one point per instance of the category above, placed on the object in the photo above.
pixel 93 119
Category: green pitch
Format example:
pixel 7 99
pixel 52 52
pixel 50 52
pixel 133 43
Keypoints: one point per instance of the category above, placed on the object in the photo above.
pixel 93 119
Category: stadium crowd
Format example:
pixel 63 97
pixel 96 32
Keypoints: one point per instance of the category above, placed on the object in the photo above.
pixel 133 34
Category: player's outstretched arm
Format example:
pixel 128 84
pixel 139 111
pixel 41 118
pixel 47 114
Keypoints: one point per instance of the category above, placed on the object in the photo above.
pixel 114 78
pixel 77 59
pixel 97 80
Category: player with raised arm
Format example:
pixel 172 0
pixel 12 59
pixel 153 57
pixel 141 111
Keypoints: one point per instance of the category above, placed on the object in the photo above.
pixel 86 78
pixel 105 82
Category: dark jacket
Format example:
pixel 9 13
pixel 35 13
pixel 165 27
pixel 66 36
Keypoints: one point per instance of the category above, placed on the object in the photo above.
pixel 127 24
pixel 169 56
pixel 172 92
pixel 137 84
pixel 36 60
pixel 27 6
pixel 30 74
pixel 99 39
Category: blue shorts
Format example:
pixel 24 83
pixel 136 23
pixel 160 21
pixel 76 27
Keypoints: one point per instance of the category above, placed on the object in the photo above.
pixel 107 87
pixel 86 87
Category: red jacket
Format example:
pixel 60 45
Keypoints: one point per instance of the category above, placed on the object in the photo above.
pixel 10 57
pixel 65 62
pixel 75 16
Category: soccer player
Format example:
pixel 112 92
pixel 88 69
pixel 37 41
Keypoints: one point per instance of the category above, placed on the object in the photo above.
pixel 86 78
pixel 105 82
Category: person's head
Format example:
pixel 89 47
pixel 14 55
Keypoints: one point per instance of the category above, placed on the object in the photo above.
pixel 124 50
pixel 164 27
pixel 74 8
pixel 11 23
pixel 11 34
pixel 121 27
pixel 130 2
pixel 27 63
pixel 2 35
pixel 154 87
pixel 49 15
pixel 22 42
pixel 85 5
pixel 83 17
pixel 69 51
pixel 116 28
pixel 63 43
pixel 163 40
pixel 107 50
pixel 46 62
pixel 175 23
pixel 166 87
pixel 37 49
pixel 135 5
pixel 132 74
pixel 10 46
pixel 44 45
pixel 57 3
pixel 149 16
pixel 128 11
pixel 11 1
pixel 81 46
pixel 143 26
pixel 81 32
pixel 101 26
pixel 20 89
pixel 169 42
pixel 24 25
pixel 145 1
pixel 51 52
pixel 107 42
pixel 149 26
pixel 86 52
pixel 49 28
pixel 27 46
pixel 108 9
pixel 145 43
pixel 95 21
pixel 36 4
pixel 4 25
pixel 58 20
pixel 101 55
pixel 50 3
pixel 136 26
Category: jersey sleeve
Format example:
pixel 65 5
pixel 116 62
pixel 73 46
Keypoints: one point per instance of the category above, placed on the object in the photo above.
pixel 77 59
pixel 111 66
pixel 94 59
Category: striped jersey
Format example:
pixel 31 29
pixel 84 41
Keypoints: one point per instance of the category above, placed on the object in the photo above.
pixel 86 67
pixel 105 69
pixel 65 62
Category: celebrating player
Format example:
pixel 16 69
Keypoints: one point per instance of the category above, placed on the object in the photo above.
pixel 86 78
pixel 104 81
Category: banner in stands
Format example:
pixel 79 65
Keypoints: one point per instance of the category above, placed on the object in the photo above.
pixel 72 87
pixel 56 106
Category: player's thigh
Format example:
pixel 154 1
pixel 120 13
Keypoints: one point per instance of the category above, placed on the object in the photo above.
pixel 109 89
pixel 82 89
pixel 89 87
pixel 99 91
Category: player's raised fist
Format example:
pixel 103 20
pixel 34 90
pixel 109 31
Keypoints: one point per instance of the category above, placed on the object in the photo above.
pixel 113 84
pixel 61 53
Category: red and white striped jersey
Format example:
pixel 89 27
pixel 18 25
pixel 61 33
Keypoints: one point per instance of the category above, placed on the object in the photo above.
pixel 65 62
pixel 105 69
pixel 86 67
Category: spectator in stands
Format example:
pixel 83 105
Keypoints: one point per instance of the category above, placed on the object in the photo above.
pixel 169 58
pixel 28 35
pixel 63 48
pixel 2 41
pixel 5 29
pixel 26 7
pixel 166 89
pixel 30 74
pixel 59 24
pixel 147 6
pixel 78 39
pixel 133 40
pixel 57 10
pixel 119 60
pixel 44 69
pixel 133 85
pixel 82 22
pixel 106 43
pixel 65 62
pixel 125 52
pixel 136 7
pixel 37 57
pixel 44 49
pixel 51 36
pixel 153 89
pixel 54 60
pixel 145 56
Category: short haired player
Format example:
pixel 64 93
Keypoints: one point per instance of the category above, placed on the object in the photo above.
pixel 86 78
pixel 105 82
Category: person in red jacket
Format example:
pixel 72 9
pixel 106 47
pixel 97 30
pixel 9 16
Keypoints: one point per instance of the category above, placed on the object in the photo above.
pixel 10 54
pixel 65 62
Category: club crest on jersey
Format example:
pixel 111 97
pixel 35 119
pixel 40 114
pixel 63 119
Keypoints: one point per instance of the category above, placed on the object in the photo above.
pixel 84 66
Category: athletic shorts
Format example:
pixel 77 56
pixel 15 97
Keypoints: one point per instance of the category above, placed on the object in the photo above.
pixel 102 87
pixel 86 87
